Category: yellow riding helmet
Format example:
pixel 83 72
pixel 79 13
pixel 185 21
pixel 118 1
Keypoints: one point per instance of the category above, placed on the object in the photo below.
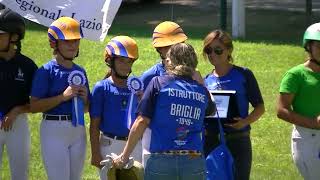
pixel 123 46
pixel 167 33
pixel 65 28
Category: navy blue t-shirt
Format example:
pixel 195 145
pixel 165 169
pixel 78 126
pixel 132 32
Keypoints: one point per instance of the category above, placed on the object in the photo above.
pixel 51 80
pixel 176 107
pixel 16 79
pixel 247 90
pixel 110 104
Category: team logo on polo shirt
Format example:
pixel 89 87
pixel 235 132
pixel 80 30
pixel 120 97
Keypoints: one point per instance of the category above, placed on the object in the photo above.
pixel 124 103
pixel 20 75
pixel 182 133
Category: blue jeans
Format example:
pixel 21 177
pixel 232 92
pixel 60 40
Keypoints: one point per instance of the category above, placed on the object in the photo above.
pixel 175 167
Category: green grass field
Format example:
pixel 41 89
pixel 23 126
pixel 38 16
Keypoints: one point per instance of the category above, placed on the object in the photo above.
pixel 269 50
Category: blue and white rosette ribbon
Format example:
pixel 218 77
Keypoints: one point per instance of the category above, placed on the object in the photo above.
pixel 79 79
pixel 134 85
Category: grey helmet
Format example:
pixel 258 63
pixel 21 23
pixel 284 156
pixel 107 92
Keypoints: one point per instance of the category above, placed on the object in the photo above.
pixel 12 22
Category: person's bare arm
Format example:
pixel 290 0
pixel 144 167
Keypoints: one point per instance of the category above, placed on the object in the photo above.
pixel 285 112
pixel 96 156
pixel 136 132
pixel 44 104
pixel 11 116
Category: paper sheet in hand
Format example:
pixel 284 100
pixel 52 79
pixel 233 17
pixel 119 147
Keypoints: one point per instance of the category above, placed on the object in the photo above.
pixel 225 103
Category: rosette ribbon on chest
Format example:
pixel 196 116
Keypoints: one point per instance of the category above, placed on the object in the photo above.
pixel 135 85
pixel 77 78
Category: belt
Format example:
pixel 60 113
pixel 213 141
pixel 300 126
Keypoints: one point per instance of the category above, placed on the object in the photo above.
pixel 122 138
pixel 49 117
pixel 180 152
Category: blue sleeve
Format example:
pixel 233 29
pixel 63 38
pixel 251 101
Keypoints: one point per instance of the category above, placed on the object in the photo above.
pixel 147 76
pixel 87 85
pixel 40 83
pixel 146 106
pixel 253 91
pixel 97 98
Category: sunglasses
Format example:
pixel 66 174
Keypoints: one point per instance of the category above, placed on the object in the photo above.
pixel 216 50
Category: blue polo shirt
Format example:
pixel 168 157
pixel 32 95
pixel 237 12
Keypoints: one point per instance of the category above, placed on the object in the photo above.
pixel 247 90
pixel 110 103
pixel 176 107
pixel 51 80
pixel 156 70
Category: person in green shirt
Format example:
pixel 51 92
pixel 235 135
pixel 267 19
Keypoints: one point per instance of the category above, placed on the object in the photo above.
pixel 299 104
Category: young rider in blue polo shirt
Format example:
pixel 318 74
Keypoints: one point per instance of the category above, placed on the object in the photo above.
pixel 58 89
pixel 110 102
pixel 164 35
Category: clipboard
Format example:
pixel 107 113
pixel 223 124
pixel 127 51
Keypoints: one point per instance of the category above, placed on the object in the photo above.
pixel 226 103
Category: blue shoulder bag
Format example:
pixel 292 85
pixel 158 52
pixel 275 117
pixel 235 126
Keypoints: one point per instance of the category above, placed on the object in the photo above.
pixel 220 161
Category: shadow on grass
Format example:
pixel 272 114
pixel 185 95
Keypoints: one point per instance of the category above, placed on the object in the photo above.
pixel 267 26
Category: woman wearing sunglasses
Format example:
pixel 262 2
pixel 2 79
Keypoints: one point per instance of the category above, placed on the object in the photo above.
pixel 225 75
